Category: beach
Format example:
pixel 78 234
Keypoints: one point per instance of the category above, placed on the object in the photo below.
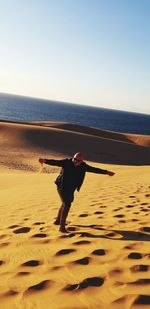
pixel 104 260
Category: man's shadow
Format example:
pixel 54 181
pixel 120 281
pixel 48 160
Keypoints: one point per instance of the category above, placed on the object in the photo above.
pixel 108 234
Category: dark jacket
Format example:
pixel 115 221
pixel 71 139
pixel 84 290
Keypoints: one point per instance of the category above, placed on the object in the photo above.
pixel 71 177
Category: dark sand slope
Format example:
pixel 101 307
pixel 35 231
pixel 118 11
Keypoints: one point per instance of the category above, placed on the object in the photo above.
pixel 31 141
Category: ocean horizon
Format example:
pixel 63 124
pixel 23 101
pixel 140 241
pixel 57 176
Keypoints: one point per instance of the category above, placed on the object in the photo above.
pixel 18 108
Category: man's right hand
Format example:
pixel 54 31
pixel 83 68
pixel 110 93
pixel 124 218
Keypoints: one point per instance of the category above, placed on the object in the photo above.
pixel 42 160
pixel 110 173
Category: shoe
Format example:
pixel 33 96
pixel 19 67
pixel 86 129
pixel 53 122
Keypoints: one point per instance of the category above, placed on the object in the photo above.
pixel 56 222
pixel 63 229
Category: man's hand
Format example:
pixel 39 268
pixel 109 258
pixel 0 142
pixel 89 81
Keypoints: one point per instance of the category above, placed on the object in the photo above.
pixel 110 173
pixel 42 160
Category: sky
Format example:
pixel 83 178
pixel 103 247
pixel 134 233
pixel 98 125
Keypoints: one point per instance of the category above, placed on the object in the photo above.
pixel 92 52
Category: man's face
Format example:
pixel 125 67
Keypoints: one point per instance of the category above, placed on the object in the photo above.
pixel 77 160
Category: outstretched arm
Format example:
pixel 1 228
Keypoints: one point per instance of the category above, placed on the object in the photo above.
pixel 52 162
pixel 97 170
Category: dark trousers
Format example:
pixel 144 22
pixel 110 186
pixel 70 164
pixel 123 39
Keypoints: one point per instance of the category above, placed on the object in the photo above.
pixel 66 200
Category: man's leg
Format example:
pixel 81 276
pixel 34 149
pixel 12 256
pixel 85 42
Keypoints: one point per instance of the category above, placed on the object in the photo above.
pixel 64 214
pixel 57 221
pixel 64 209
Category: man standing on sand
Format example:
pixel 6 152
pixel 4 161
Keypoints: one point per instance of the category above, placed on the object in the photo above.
pixel 70 178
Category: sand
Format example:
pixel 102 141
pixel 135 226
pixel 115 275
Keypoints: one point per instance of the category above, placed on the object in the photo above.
pixel 104 260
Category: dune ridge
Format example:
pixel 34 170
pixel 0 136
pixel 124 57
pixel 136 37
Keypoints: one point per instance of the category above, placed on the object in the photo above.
pixel 26 142
pixel 143 140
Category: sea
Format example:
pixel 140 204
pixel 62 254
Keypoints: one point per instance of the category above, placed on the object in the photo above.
pixel 26 109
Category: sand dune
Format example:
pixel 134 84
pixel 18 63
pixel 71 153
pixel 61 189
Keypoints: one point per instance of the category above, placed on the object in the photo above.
pixel 22 143
pixel 124 137
pixel 104 260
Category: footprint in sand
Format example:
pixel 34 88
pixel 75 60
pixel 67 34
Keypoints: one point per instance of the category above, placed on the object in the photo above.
pixel 144 204
pixel 119 216
pixel 38 223
pixel 139 268
pixel 23 273
pixel 82 242
pixel 116 209
pixel 99 252
pixel 22 230
pixel 145 210
pixel 147 195
pixel 65 251
pixel 83 261
pixel 13 226
pixel 144 281
pixel 94 282
pixel 83 215
pixel 142 300
pixel 39 235
pixel 32 263
pixel 135 255
pixel 39 287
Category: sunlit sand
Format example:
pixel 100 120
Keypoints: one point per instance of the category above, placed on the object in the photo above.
pixel 104 261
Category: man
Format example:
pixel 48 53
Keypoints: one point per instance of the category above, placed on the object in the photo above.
pixel 70 178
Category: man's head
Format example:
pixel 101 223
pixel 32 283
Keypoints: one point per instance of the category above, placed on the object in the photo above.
pixel 77 158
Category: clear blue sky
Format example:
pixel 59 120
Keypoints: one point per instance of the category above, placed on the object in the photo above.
pixel 93 52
